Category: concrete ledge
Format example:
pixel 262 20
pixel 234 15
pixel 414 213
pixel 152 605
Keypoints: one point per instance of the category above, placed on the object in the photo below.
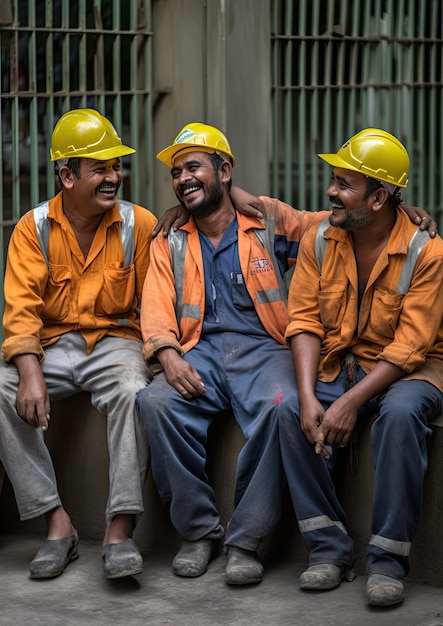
pixel 77 440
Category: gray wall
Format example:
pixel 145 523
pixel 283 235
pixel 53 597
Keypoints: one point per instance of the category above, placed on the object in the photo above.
pixel 211 64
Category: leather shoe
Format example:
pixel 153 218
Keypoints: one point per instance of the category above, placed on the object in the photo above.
pixel 324 576
pixel 243 567
pixel 384 590
pixel 193 558
pixel 122 559
pixel 53 556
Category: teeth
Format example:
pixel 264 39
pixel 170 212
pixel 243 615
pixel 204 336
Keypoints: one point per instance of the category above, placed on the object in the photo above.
pixel 190 190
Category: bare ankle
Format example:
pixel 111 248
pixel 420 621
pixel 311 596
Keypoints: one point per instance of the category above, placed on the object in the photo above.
pixel 59 524
pixel 119 529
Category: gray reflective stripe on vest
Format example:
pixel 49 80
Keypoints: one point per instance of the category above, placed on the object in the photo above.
pixel 178 242
pixel 266 237
pixel 127 229
pixel 418 240
pixel 127 235
pixel 42 228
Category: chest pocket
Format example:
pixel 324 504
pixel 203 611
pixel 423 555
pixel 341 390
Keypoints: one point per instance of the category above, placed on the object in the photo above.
pixel 240 295
pixel 385 312
pixel 58 293
pixel 332 303
pixel 117 295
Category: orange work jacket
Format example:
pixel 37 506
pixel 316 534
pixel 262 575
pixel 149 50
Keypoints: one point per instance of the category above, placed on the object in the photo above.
pixel 403 329
pixel 172 317
pixel 96 296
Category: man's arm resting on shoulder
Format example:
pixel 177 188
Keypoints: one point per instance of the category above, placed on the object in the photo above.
pixel 180 374
pixel 419 216
pixel 32 396
pixel 177 215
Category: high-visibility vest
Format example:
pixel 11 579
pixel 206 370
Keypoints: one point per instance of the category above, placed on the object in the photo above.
pixel 127 229
pixel 416 243
pixel 178 241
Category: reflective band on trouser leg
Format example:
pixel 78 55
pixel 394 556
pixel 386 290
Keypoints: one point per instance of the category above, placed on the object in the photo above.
pixel 319 522
pixel 402 548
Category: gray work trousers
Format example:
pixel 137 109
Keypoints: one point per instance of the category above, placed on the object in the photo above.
pixel 112 374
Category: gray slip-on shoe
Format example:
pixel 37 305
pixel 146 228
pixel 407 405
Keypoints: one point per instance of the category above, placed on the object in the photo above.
pixel 193 558
pixel 384 590
pixel 242 567
pixel 324 576
pixel 122 559
pixel 53 556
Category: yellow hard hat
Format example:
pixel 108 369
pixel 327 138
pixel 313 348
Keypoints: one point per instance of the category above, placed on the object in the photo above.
pixel 375 153
pixel 87 134
pixel 197 137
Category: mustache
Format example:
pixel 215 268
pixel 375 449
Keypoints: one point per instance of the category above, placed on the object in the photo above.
pixel 189 185
pixel 336 200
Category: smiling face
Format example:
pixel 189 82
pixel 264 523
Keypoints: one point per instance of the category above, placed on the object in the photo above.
pixel 199 187
pixel 94 189
pixel 349 194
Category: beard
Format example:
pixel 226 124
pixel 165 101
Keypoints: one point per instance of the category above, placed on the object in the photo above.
pixel 210 202
pixel 360 218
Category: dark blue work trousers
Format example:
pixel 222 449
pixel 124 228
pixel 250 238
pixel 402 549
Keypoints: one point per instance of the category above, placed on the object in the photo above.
pixel 250 376
pixel 398 442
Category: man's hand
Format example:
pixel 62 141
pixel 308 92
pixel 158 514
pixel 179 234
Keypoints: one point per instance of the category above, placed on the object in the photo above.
pixel 246 203
pixel 420 216
pixel 180 374
pixel 311 418
pixel 32 395
pixel 176 216
pixel 339 421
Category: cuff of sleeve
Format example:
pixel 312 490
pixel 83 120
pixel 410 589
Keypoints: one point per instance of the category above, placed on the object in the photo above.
pixel 157 342
pixel 14 346
pixel 403 357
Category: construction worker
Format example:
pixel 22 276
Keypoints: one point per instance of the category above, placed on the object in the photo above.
pixel 74 275
pixel 213 319
pixel 366 337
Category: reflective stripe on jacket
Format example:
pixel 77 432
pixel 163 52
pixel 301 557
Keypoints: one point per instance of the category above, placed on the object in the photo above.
pixel 173 299
pixel 99 295
pixel 403 329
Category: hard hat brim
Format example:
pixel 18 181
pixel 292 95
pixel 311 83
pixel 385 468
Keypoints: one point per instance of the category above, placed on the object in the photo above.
pixel 168 155
pixel 337 161
pixel 115 152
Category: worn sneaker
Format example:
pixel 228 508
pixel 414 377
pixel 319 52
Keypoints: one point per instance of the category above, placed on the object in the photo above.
pixel 193 558
pixel 122 559
pixel 53 556
pixel 384 590
pixel 324 576
pixel 242 567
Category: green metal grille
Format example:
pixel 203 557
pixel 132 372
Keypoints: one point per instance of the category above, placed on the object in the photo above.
pixel 338 67
pixel 61 54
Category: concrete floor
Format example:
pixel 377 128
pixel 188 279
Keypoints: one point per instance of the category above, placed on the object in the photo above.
pixel 82 596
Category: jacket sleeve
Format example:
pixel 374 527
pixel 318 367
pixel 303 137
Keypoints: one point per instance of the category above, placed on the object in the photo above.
pixel 157 317
pixel 25 281
pixel 290 227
